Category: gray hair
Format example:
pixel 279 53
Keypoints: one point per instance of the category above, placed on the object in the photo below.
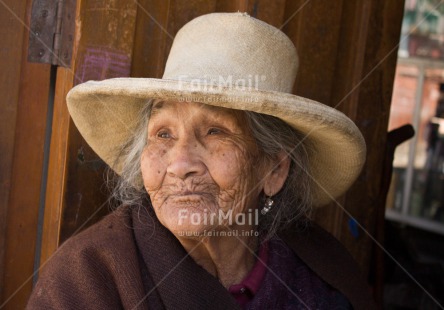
pixel 291 205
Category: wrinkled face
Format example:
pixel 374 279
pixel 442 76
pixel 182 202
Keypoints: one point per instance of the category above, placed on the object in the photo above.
pixel 200 162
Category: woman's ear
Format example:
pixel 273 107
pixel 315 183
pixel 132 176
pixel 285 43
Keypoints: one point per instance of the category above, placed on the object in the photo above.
pixel 277 174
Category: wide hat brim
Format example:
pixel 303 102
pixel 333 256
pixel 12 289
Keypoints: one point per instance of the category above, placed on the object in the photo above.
pixel 106 115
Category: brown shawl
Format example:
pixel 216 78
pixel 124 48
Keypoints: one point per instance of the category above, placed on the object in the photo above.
pixel 129 260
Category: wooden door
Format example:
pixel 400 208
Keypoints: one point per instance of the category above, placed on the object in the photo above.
pixel 24 96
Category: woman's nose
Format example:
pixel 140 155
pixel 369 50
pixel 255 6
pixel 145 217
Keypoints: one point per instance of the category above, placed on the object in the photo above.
pixel 185 159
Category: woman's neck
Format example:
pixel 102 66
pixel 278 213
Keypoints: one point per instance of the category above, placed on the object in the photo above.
pixel 228 258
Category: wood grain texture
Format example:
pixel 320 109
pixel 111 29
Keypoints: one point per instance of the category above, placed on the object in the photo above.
pixel 26 177
pixel 232 5
pixel 11 34
pixel 151 38
pixel 271 12
pixel 24 199
pixel 55 186
pixel 314 27
pixel 371 110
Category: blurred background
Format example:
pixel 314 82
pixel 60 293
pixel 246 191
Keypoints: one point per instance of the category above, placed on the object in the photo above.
pixel 415 202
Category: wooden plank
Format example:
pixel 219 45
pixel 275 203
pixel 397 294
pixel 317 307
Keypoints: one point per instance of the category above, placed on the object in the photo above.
pixel 271 12
pixel 11 32
pixel 32 83
pixel 232 5
pixel 344 91
pixel 26 177
pixel 345 97
pixel 55 186
pixel 84 199
pixel 106 36
pixel 371 110
pixel 26 183
pixel 345 94
pixel 314 27
pixel 181 12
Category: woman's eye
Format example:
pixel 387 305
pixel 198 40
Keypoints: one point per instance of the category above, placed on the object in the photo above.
pixel 214 131
pixel 163 135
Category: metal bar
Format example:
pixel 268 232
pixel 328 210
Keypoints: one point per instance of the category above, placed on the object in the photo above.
pixel 419 222
pixel 427 63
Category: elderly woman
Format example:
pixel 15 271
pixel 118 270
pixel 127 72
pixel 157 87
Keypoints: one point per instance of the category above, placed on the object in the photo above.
pixel 219 169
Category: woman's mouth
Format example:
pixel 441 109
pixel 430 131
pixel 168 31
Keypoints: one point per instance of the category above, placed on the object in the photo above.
pixel 189 196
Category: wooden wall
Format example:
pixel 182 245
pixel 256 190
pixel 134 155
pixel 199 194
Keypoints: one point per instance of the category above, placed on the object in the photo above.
pixel 347 55
pixel 24 89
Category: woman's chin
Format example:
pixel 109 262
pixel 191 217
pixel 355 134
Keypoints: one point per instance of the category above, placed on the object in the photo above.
pixel 192 219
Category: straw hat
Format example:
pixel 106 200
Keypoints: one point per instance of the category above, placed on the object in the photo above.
pixel 234 61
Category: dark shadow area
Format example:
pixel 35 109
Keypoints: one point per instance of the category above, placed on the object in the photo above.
pixel 414 279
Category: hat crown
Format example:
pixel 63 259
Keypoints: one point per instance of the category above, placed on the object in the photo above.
pixel 233 50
